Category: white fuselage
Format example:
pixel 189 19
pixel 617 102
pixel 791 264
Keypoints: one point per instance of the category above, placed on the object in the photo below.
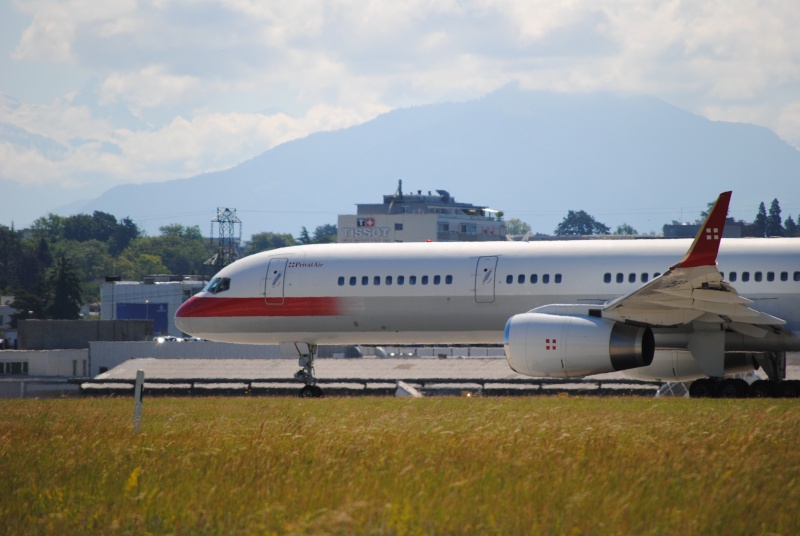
pixel 463 293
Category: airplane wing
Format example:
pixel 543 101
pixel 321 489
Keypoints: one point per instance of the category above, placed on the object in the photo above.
pixel 693 289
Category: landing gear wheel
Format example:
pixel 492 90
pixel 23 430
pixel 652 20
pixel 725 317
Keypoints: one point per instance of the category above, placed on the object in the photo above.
pixel 733 388
pixel 703 388
pixel 789 389
pixel 762 389
pixel 311 391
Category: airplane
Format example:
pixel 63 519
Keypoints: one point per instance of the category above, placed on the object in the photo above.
pixel 561 309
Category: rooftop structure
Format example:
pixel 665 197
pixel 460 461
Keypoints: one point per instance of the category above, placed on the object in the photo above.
pixel 420 217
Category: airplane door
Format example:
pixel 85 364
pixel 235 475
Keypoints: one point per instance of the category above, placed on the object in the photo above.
pixel 484 279
pixel 273 286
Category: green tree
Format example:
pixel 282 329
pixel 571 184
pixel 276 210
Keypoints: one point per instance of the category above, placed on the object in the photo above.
pixel 268 241
pixel 625 229
pixel 10 252
pixel 50 227
pixel 790 227
pixel 760 223
pixel 579 224
pixel 304 237
pixel 176 229
pixel 325 234
pixel 28 305
pixel 515 226
pixel 774 225
pixel 66 291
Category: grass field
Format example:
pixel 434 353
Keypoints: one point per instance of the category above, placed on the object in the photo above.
pixel 549 465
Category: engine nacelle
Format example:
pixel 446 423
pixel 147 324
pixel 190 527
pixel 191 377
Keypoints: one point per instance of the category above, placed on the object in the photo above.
pixel 539 344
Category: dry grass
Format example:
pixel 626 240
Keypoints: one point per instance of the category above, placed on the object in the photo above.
pixel 390 466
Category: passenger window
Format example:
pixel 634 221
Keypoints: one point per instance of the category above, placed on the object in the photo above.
pixel 545 278
pixel 448 279
pixel 388 280
pixel 437 279
pixel 376 280
pixel 558 278
pixel 606 278
pixel 645 278
pixel 770 276
pixel 797 276
pixel 352 280
pixel 521 278
pixel 722 275
pixel 631 278
pixel 757 276
pixel 412 280
pixel 509 279
pixel 364 280
pixel 620 278
pixel 732 277
pixel 534 279
pixel 424 280
pixel 745 276
pixel 655 275
pixel 401 279
pixel 784 276
pixel 341 280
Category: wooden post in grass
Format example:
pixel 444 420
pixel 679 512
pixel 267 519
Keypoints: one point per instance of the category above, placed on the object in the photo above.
pixel 137 401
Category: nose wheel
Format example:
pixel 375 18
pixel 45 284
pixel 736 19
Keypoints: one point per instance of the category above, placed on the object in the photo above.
pixel 306 374
pixel 311 391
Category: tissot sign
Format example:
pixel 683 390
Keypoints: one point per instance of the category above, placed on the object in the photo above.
pixel 364 231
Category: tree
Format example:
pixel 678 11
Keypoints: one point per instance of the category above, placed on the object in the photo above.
pixel 325 234
pixel 579 224
pixel 625 229
pixel 176 229
pixel 774 225
pixel 267 241
pixel 760 223
pixel 704 214
pixel 790 227
pixel 515 226
pixel 10 251
pixel 66 291
pixel 304 237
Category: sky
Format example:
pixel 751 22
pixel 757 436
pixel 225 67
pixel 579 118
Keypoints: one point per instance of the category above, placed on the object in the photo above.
pixel 96 94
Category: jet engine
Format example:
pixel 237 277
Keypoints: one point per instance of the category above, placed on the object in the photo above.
pixel 538 344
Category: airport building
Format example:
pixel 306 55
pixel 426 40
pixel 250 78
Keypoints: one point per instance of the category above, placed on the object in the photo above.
pixel 420 217
pixel 155 298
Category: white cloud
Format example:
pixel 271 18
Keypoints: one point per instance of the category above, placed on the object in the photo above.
pixel 203 68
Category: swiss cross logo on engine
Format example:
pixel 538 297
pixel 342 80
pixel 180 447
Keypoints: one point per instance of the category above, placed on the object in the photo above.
pixel 712 234
pixel 550 344
pixel 370 222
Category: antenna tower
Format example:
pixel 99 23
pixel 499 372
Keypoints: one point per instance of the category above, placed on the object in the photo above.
pixel 228 241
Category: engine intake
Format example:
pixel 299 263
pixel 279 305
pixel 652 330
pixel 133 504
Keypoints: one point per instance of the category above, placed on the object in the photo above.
pixel 538 344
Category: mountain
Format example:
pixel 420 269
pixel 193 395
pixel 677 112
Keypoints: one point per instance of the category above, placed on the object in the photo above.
pixel 534 155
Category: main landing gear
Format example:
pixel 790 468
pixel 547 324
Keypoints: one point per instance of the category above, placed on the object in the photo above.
pixel 306 374
pixel 738 388
pixel 773 363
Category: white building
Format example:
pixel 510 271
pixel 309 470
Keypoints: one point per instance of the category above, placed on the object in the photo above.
pixel 156 298
pixel 418 217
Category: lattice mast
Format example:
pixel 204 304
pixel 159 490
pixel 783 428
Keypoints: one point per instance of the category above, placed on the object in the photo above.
pixel 229 240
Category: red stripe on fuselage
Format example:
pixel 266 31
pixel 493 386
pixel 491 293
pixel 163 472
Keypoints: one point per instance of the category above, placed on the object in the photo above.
pixel 205 307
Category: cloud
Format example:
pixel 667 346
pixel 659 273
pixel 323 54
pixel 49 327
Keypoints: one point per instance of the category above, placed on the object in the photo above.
pixel 94 149
pixel 195 73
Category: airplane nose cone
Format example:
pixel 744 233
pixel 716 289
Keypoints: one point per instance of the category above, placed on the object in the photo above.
pixel 183 316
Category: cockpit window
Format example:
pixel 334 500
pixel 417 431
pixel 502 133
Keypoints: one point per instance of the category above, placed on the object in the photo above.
pixel 218 284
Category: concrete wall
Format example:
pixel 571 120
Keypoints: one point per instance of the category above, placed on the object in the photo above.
pixel 76 334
